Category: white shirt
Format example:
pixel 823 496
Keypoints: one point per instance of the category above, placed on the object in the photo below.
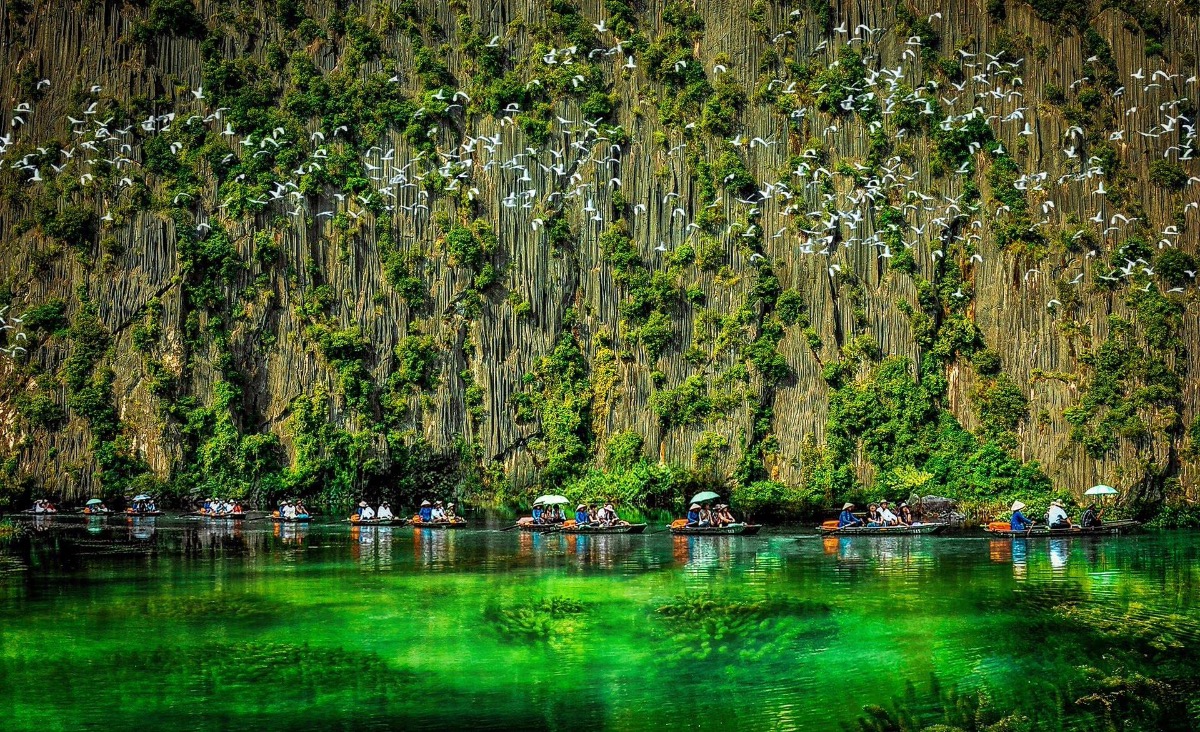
pixel 384 512
pixel 367 513
pixel 439 514
pixel 1056 514
pixel 289 512
pixel 887 517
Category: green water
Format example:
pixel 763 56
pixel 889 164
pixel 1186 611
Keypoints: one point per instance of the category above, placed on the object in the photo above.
pixel 175 624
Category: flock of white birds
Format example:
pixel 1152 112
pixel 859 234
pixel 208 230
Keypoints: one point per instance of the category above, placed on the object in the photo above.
pixel 580 167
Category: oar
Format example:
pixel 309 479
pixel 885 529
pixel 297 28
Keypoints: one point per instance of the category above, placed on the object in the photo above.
pixel 510 528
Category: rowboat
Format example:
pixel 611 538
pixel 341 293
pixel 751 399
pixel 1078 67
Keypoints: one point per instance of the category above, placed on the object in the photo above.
pixel 1109 528
pixel 730 530
pixel 131 512
pixel 301 519
pixel 418 524
pixel 621 529
pixel 202 514
pixel 530 526
pixel 901 530
pixel 377 522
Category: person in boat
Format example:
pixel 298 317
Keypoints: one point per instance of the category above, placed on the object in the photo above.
pixel 301 510
pixel 208 506
pixel 722 516
pixel 581 515
pixel 1019 522
pixel 538 515
pixel 847 517
pixel 237 508
pixel 886 517
pixel 606 516
pixel 449 515
pixel 385 512
pixel 365 512
pixel 1056 517
pixel 705 517
pixel 693 515
pixel 906 516
pixel 289 511
pixel 552 515
pixel 1091 517
pixel 872 514
pixel 439 512
pixel 281 509
pixel 425 512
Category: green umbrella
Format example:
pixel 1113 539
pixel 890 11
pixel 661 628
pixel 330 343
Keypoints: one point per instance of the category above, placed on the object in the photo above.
pixel 705 496
pixel 94 501
pixel 550 501
pixel 141 497
pixel 1101 490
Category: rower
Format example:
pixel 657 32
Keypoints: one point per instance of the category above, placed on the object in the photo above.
pixel 1056 517
pixel 581 515
pixel 385 512
pixel 848 518
pixel 365 512
pixel 693 515
pixel 425 513
pixel 1018 522
pixel 1091 518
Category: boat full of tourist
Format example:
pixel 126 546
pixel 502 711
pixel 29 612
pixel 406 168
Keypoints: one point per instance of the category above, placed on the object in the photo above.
pixel 716 519
pixel 436 515
pixel 880 520
pixel 364 515
pixel 220 509
pixel 1057 521
pixel 95 507
pixel 291 512
pixel 602 520
pixel 143 505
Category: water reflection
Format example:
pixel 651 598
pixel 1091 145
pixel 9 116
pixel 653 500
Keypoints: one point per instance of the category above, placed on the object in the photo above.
pixel 291 532
pixel 371 546
pixel 434 548
pixel 1020 559
pixel 141 527
pixel 1059 550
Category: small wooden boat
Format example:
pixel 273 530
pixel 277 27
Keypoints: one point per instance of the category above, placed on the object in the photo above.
pixel 417 523
pixel 94 512
pixel 1109 528
pixel 530 526
pixel 589 529
pixel 377 522
pixel 131 512
pixel 301 519
pixel 730 530
pixel 901 530
pixel 231 515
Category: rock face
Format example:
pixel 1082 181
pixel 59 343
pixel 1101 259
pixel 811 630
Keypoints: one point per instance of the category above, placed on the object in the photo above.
pixel 279 250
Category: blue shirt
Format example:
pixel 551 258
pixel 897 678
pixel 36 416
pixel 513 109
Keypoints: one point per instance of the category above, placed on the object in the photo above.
pixel 848 519
pixel 537 514
pixel 693 517
pixel 581 517
pixel 426 513
pixel 1019 522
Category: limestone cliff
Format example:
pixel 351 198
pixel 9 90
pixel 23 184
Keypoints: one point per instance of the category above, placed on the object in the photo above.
pixel 268 246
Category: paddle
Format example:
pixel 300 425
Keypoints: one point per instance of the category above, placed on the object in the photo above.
pixel 510 528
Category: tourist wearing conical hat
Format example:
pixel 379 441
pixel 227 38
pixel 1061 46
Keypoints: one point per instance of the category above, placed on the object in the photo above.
pixel 848 518
pixel 1019 522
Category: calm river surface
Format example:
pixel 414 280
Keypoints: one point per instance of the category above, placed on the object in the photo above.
pixel 178 624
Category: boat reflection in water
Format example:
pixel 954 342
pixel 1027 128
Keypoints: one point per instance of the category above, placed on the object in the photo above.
pixel 371 546
pixel 434 548
pixel 291 532
pixel 95 525
pixel 141 527
pixel 1020 559
pixel 42 522
pixel 1059 551
pixel 215 532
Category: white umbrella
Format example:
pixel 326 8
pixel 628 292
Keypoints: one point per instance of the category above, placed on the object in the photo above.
pixel 550 501
pixel 1101 490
